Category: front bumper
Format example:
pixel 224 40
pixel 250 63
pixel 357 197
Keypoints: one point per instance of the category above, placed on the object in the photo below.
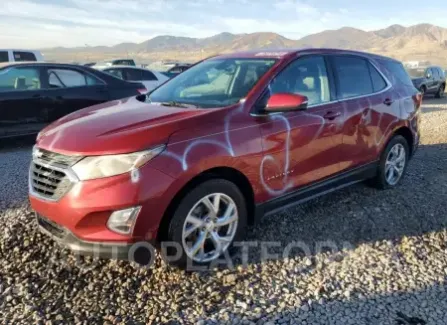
pixel 140 252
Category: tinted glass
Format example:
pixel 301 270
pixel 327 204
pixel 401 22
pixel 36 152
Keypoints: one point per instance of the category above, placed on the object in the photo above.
pixel 133 74
pixel 4 56
pixel 147 75
pixel 398 74
pixel 115 72
pixel 307 77
pixel 65 78
pixel 353 77
pixel 378 82
pixel 214 82
pixel 123 62
pixel 19 79
pixel 24 56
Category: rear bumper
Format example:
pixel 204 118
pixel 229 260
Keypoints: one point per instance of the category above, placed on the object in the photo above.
pixel 141 252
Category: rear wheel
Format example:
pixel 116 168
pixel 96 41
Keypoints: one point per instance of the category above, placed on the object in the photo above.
pixel 393 163
pixel 440 92
pixel 206 223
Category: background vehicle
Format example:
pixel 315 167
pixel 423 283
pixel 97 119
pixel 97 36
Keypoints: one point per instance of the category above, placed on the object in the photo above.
pixel 126 62
pixel 34 94
pixel 150 79
pixel 19 55
pixel 175 70
pixel 232 138
pixel 430 80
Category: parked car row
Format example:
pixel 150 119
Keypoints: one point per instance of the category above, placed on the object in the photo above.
pixel 201 158
pixel 32 95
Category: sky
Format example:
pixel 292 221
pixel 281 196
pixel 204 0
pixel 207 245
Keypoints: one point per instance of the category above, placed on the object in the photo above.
pixel 71 23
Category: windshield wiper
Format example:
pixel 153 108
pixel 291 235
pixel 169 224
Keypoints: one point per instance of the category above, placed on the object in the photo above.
pixel 173 103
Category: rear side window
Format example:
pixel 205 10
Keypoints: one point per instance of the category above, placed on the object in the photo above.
pixel 147 75
pixel 377 80
pixel 24 56
pixel 4 56
pixel 133 74
pixel 397 72
pixel 19 79
pixel 353 77
pixel 116 72
pixel 66 78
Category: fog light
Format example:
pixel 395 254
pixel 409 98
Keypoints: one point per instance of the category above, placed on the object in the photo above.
pixel 122 221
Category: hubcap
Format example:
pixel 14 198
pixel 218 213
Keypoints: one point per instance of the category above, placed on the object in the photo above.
pixel 395 164
pixel 210 227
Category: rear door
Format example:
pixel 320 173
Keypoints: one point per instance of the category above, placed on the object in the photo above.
pixel 71 89
pixel 364 95
pixel 21 101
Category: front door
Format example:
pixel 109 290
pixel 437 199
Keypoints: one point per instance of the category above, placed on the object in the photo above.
pixel 301 147
pixel 21 101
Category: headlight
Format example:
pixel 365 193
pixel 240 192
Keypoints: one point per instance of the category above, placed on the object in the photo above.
pixel 110 165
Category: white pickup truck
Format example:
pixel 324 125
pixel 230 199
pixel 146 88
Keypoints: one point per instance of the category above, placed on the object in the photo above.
pixel 15 55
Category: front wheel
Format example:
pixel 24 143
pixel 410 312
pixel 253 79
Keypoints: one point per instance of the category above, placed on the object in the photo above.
pixel 393 163
pixel 440 92
pixel 206 223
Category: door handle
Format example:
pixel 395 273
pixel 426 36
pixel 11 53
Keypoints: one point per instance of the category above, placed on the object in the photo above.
pixel 331 115
pixel 388 101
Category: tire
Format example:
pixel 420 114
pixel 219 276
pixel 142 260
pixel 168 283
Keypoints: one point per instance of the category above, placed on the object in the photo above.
pixel 381 180
pixel 178 226
pixel 440 92
pixel 423 91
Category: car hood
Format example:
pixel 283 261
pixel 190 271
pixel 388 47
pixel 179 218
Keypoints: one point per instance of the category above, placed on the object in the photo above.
pixel 119 126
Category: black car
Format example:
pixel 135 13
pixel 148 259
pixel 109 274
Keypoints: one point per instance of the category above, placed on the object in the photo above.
pixel 430 80
pixel 33 95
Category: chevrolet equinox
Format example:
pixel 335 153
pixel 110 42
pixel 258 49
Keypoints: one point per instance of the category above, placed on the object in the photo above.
pixel 201 158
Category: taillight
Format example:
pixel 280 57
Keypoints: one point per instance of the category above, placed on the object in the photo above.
pixel 142 91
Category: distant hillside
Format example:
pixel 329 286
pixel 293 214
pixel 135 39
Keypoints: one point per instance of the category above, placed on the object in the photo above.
pixel 419 42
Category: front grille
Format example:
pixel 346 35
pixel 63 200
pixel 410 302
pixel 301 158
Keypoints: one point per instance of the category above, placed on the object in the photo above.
pixel 48 182
pixel 53 228
pixel 54 157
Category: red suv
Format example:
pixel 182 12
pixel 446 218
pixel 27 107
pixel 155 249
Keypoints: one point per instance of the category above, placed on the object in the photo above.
pixel 201 158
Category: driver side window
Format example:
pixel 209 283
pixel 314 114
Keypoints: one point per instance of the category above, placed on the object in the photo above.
pixel 306 76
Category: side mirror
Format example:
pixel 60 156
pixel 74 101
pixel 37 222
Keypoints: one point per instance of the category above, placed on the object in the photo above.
pixel 428 75
pixel 285 102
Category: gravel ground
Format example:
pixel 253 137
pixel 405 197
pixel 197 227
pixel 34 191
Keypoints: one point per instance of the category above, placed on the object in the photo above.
pixel 375 258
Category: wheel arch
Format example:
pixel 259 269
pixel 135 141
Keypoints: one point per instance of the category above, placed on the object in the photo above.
pixel 408 135
pixel 228 173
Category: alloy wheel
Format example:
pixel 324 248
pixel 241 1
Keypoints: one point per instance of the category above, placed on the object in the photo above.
pixel 395 164
pixel 210 227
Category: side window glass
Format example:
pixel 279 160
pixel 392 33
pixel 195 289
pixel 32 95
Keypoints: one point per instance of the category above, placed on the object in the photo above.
pixel 305 76
pixel 377 80
pixel 353 77
pixel 133 75
pixel 19 79
pixel 4 57
pixel 24 56
pixel 147 75
pixel 116 72
pixel 66 78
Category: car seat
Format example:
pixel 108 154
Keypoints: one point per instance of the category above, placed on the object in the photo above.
pixel 20 83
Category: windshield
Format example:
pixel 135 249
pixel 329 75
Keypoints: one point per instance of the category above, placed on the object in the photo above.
pixel 213 83
pixel 416 73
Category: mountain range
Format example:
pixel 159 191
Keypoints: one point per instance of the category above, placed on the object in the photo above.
pixel 423 42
